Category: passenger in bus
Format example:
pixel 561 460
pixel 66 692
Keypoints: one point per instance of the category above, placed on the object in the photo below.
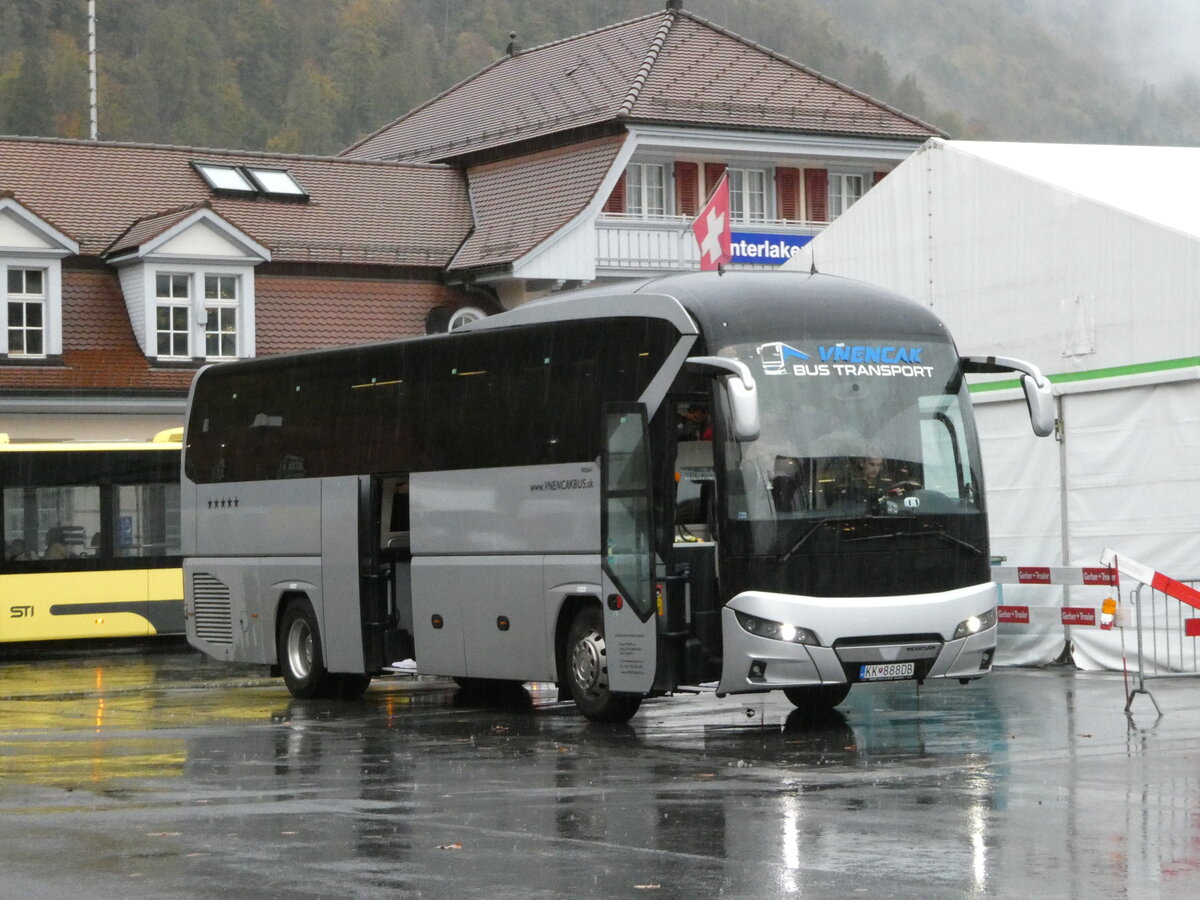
pixel 864 479
pixel 14 551
pixel 786 489
pixel 56 545
pixel 870 474
pixel 696 424
pixel 291 465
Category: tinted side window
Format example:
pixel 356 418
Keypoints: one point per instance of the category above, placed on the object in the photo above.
pixel 522 396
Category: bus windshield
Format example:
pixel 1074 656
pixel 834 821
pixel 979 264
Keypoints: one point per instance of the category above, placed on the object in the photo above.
pixel 854 428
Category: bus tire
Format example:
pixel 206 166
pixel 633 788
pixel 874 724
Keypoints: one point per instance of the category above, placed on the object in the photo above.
pixel 817 698
pixel 587 671
pixel 352 685
pixel 299 650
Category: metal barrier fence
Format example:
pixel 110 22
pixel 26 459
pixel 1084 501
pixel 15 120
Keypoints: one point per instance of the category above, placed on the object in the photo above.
pixel 1164 613
pixel 1166 629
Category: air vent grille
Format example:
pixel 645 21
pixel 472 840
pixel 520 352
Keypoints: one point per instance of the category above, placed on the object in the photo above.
pixel 211 609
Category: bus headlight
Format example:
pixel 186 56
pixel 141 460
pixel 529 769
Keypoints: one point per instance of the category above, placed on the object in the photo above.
pixel 975 624
pixel 776 631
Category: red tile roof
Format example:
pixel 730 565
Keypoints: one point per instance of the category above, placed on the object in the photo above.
pixel 521 202
pixel 704 75
pixel 99 349
pixel 147 228
pixel 341 312
pixel 671 68
pixel 101 353
pixel 358 211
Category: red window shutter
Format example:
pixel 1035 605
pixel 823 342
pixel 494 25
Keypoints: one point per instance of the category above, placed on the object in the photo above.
pixel 687 188
pixel 616 200
pixel 712 174
pixel 787 193
pixel 816 194
pixel 878 177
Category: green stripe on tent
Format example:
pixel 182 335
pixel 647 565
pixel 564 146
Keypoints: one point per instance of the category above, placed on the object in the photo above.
pixel 1165 365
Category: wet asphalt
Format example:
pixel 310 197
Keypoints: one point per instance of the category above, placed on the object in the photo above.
pixel 157 772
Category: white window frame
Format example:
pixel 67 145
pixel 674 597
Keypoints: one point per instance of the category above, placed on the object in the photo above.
pixel 51 302
pixel 198 308
pixel 748 194
pixel 27 301
pixel 642 197
pixel 219 308
pixel 173 303
pixel 845 189
pixel 464 316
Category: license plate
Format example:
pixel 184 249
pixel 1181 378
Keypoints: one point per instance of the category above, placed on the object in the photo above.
pixel 886 671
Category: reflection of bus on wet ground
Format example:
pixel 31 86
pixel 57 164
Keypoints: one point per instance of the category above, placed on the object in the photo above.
pixel 91 539
pixel 769 481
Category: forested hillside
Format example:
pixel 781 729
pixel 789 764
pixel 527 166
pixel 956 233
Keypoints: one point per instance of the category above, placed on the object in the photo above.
pixel 313 76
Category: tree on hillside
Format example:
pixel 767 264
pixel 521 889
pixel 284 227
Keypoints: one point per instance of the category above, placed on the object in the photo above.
pixel 316 75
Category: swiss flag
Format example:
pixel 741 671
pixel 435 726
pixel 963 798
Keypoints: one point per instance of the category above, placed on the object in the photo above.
pixel 711 228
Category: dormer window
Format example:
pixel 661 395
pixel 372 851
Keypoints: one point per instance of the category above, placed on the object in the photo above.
pixel 188 281
pixel 172 298
pixel 176 338
pixel 26 302
pixel 251 181
pixel 31 254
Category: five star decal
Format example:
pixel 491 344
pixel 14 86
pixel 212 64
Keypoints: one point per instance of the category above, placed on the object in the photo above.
pixel 222 502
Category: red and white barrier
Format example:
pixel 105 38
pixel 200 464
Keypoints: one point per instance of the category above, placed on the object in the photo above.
pixel 1156 580
pixel 1093 576
pixel 1054 575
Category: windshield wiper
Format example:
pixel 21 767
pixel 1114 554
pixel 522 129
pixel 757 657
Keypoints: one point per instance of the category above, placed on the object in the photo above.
pixel 795 548
pixel 940 533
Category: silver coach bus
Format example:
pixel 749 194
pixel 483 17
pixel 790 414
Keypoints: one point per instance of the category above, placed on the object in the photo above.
pixel 770 481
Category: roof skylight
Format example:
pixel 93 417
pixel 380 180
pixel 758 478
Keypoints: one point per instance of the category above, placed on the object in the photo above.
pixel 251 180
pixel 225 178
pixel 276 181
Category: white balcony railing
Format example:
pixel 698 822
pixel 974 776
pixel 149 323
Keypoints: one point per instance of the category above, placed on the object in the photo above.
pixel 630 243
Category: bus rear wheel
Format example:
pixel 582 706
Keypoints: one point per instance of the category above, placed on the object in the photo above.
pixel 298 648
pixel 587 671
pixel 817 698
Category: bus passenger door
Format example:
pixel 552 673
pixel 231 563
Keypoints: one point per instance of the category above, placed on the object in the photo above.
pixel 627 549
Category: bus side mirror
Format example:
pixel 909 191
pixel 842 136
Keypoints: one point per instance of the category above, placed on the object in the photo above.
pixel 741 390
pixel 1041 405
pixel 1038 395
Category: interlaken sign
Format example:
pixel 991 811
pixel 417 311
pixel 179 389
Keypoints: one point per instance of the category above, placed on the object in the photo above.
pixel 719 244
pixel 765 249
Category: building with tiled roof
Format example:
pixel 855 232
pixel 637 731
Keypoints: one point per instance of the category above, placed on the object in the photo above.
pixel 126 266
pixel 587 158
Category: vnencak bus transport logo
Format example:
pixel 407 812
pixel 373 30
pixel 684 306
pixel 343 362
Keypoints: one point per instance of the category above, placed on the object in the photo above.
pixel 843 359
pixel 776 355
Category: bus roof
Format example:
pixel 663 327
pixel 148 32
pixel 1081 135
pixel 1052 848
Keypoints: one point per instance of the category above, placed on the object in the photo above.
pixel 718 303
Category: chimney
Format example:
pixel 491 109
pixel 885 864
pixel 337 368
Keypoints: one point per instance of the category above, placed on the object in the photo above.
pixel 512 44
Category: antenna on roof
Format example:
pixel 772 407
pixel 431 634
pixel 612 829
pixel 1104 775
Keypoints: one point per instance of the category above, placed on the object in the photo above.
pixel 512 44
pixel 91 13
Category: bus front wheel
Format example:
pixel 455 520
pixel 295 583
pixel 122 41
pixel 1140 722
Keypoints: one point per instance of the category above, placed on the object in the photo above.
pixel 301 660
pixel 817 698
pixel 587 671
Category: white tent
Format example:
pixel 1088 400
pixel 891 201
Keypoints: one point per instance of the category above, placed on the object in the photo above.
pixel 1086 261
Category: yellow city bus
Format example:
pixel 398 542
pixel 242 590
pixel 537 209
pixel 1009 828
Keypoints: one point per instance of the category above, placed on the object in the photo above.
pixel 91 539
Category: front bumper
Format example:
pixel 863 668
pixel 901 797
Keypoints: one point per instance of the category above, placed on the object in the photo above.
pixel 852 632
